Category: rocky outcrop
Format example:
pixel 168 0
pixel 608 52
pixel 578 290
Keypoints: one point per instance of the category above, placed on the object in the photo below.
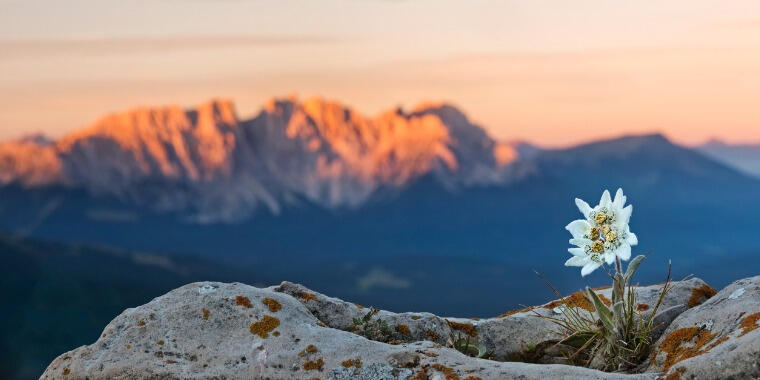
pixel 719 338
pixel 215 330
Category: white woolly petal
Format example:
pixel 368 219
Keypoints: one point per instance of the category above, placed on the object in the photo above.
pixel 577 252
pixel 631 239
pixel 625 215
pixel 605 200
pixel 624 252
pixel 609 258
pixel 578 228
pixel 583 207
pixel 580 242
pixel 619 201
pixel 590 267
pixel 576 261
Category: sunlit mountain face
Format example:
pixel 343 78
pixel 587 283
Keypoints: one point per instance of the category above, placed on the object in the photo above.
pixel 420 202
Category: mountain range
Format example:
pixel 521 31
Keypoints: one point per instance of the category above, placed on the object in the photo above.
pixel 212 166
pixel 313 191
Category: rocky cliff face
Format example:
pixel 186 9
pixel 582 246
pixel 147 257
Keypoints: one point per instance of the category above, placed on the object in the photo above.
pixel 217 167
pixel 215 330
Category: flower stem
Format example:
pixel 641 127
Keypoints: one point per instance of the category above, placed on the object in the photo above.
pixel 618 265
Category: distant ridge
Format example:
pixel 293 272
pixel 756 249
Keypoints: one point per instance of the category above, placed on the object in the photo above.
pixel 208 161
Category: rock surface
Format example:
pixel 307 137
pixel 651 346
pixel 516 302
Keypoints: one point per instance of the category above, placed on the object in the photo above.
pixel 216 330
pixel 719 338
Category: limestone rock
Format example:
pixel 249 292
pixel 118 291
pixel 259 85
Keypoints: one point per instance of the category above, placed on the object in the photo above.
pixel 717 339
pixel 234 331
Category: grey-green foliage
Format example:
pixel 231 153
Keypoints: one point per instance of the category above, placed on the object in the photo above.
pixel 614 337
pixel 468 346
pixel 373 329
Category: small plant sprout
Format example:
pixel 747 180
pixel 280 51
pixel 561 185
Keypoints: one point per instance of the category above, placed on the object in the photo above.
pixel 618 336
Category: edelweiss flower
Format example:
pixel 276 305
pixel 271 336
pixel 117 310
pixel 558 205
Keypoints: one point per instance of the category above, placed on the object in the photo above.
pixel 603 234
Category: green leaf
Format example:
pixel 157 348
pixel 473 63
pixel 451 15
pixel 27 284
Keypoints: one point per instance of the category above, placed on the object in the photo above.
pixel 617 286
pixel 605 315
pixel 632 266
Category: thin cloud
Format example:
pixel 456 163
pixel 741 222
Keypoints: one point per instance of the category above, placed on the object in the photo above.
pixel 148 44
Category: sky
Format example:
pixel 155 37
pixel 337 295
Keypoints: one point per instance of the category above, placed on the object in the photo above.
pixel 552 72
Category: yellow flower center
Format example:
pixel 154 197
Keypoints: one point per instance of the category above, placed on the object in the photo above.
pixel 598 246
pixel 594 235
pixel 610 236
pixel 600 217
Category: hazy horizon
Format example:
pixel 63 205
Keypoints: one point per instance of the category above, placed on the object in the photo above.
pixel 548 72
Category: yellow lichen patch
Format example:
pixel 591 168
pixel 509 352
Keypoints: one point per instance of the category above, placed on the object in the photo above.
pixel 472 378
pixel 642 307
pixel 466 328
pixel 359 306
pixel 160 342
pixel 159 354
pixel 701 294
pixel 306 296
pixel 430 354
pixel 141 323
pixel 276 333
pixel 66 371
pixel 272 304
pixel 313 365
pixel 749 323
pixel 416 317
pixel 403 330
pixel 432 335
pixel 206 313
pixel 243 301
pixel 311 349
pixel 356 363
pixel 512 312
pixel 169 361
pixel 686 343
pixel 128 346
pixel 265 326
pixel 448 372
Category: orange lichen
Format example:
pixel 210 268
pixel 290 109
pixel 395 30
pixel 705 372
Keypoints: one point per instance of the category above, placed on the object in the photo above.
pixel 359 306
pixel 642 307
pixel 276 333
pixel 141 323
pixel 701 294
pixel 160 342
pixel 578 299
pixel 432 334
pixel 430 354
pixel 159 354
pixel 243 301
pixel 466 328
pixel 128 346
pixel 403 330
pixel 265 326
pixel 356 363
pixel 448 372
pixel 306 296
pixel 686 343
pixel 422 375
pixel 472 378
pixel 169 361
pixel 313 365
pixel 311 349
pixel 272 304
pixel 206 313
pixel 675 375
pixel 749 323
pixel 66 371
pixel 512 312
pixel 416 317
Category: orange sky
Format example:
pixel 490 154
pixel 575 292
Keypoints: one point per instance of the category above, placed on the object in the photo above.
pixel 553 72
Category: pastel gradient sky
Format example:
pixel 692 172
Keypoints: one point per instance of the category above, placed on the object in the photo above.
pixel 553 72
